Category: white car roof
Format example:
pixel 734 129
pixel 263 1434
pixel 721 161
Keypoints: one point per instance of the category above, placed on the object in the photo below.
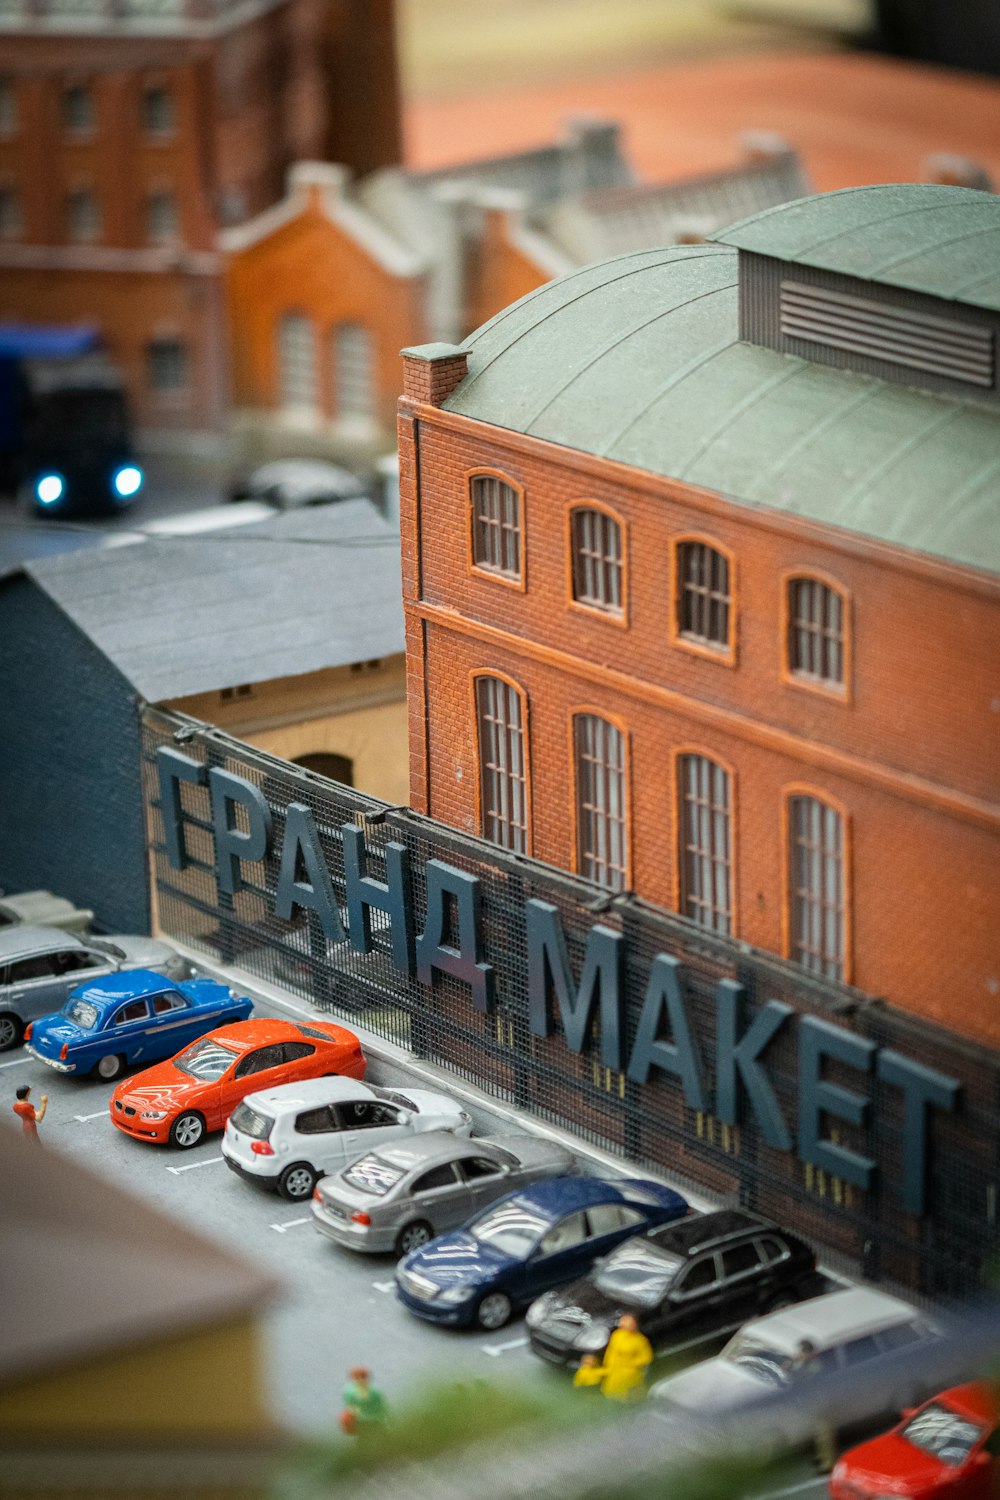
pixel 830 1320
pixel 310 1093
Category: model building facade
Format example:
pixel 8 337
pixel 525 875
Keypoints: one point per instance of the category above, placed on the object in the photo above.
pixel 702 582
pixel 130 133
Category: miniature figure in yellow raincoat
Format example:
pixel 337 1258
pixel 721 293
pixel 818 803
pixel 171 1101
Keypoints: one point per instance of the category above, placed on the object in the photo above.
pixel 626 1360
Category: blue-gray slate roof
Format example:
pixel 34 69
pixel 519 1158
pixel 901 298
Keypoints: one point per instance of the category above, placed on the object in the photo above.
pixel 178 615
pixel 638 359
pixel 926 237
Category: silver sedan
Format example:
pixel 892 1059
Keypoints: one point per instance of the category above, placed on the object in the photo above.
pixel 400 1196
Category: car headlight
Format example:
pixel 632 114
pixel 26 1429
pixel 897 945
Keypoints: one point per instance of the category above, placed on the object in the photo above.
pixel 593 1339
pixel 465 1117
pixel 153 1114
pixel 460 1293
pixel 539 1310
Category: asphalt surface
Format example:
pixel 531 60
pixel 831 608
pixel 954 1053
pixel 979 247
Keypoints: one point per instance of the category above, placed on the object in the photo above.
pixel 333 1309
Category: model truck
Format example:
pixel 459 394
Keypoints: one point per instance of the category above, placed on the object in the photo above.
pixel 65 442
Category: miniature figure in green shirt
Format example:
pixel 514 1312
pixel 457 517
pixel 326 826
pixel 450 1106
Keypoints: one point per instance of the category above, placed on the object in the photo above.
pixel 363 1404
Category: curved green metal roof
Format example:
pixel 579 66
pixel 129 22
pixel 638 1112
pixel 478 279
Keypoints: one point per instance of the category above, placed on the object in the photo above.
pixel 638 360
pixel 944 241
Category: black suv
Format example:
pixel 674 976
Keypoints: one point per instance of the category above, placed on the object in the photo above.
pixel 687 1282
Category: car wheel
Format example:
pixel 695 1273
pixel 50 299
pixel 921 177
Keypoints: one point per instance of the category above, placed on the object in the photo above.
pixel 109 1067
pixel 187 1130
pixel 412 1236
pixel 297 1181
pixel 494 1310
pixel 11 1031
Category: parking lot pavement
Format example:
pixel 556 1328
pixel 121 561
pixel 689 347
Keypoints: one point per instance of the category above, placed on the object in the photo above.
pixel 335 1310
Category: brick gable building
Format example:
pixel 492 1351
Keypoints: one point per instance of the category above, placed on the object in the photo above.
pixel 702 583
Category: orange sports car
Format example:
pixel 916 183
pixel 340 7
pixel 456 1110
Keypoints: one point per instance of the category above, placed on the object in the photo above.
pixel 179 1101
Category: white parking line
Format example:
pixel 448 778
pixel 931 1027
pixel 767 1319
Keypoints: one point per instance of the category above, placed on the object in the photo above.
pixel 384 1286
pixel 84 1118
pixel 208 1162
pixel 796 1489
pixel 496 1349
pixel 290 1224
pixel 16 1062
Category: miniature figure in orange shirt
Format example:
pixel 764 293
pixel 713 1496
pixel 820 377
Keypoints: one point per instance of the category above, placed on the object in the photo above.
pixel 26 1112
pixel 626 1359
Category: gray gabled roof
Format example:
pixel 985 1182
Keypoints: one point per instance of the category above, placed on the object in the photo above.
pixel 191 614
pixel 639 216
pixel 943 241
pixel 638 360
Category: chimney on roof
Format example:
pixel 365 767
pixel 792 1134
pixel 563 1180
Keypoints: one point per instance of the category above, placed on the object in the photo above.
pixel 957 171
pixel 432 371
pixel 763 145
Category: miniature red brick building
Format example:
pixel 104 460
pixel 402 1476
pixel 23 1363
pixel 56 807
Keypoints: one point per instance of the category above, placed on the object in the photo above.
pixel 702 585
pixel 130 133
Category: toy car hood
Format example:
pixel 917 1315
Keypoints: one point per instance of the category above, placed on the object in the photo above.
pixel 457 1258
pixel 714 1385
pixel 879 1466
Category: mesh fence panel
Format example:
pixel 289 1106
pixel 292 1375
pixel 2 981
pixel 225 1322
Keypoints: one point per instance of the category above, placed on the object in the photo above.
pixel 946 1252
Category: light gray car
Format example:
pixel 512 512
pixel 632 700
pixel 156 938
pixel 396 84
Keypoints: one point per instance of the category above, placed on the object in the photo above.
pixel 402 1195
pixel 39 966
pixel 43 909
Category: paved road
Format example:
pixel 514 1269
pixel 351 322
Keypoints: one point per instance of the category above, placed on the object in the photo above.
pixel 336 1309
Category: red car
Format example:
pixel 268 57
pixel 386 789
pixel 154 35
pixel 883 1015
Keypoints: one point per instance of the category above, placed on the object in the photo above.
pixel 946 1448
pixel 197 1090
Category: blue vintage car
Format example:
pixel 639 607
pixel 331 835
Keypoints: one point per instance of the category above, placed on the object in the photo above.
pixel 131 1018
pixel 540 1237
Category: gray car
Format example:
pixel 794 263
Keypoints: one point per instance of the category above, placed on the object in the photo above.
pixel 39 966
pixel 402 1195
pixel 43 909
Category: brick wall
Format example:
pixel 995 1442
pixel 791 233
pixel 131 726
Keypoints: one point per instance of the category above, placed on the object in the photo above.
pixel 911 755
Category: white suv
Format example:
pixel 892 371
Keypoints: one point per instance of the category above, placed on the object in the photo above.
pixel 288 1137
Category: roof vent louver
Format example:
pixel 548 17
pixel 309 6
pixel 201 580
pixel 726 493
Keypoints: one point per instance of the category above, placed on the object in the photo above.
pixel 949 348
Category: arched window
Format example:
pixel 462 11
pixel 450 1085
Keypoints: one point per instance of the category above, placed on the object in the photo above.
pixel 328 763
pixel 353 371
pixel 597 560
pixel 702 595
pixel 296 362
pixel 495 509
pixel 815 632
pixel 601 833
pixel 817 893
pixel 503 791
pixel 704 814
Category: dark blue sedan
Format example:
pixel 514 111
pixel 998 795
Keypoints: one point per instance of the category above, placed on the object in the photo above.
pixel 530 1241
pixel 129 1018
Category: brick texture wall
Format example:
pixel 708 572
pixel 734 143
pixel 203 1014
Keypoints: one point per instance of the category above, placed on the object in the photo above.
pixel 910 754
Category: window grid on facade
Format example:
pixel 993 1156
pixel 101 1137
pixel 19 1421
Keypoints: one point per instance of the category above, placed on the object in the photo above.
pixel 496 525
pixel 161 217
pixel 78 109
pixel 597 560
pixel 157 111
pixel 166 363
pixel 353 371
pixel 296 362
pixel 816 877
pixel 10 213
pixel 599 749
pixel 502 776
pixel 703 597
pixel 816 631
pixel 83 213
pixel 8 106
pixel 703 822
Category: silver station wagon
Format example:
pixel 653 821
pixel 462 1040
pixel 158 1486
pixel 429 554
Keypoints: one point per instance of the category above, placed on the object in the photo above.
pixel 400 1196
pixel 39 966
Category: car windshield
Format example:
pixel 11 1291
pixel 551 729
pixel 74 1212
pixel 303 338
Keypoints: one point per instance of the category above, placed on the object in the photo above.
pixel 638 1273
pixel 373 1175
pixel 747 1351
pixel 206 1060
pixel 111 949
pixel 81 1013
pixel 393 1096
pixel 943 1433
pixel 513 1228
